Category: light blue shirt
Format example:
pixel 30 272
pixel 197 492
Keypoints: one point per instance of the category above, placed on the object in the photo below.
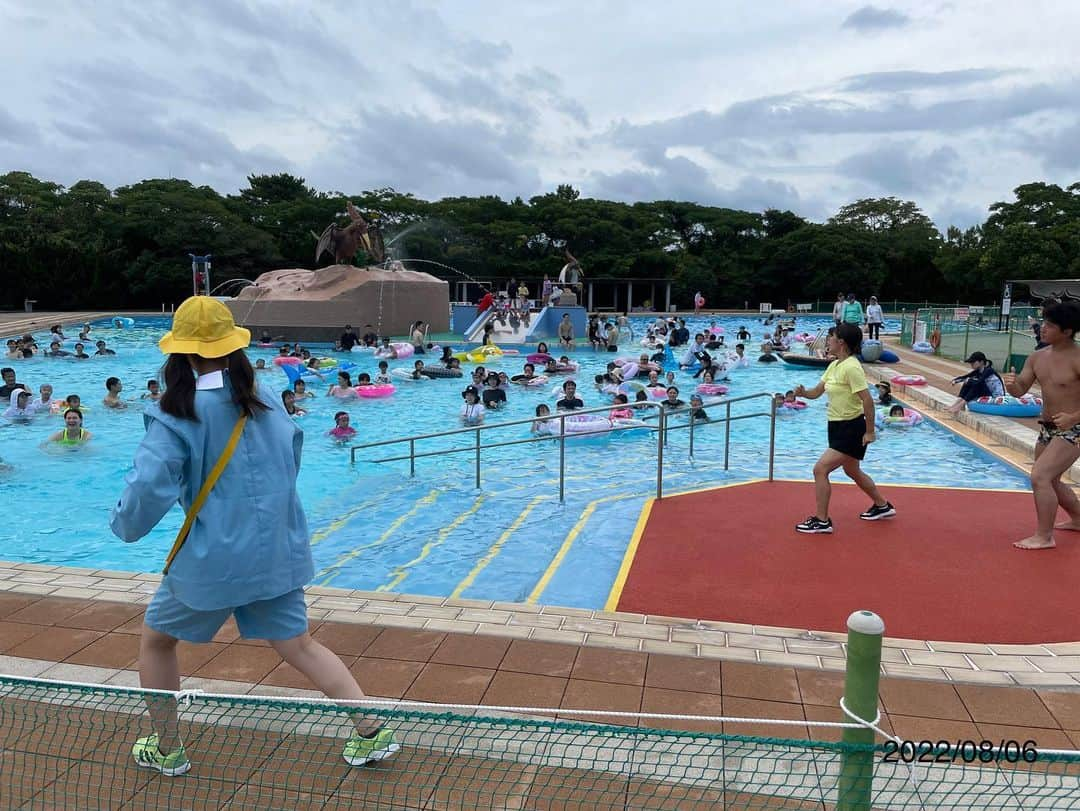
pixel 250 541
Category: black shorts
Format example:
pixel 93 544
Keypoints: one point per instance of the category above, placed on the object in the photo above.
pixel 846 436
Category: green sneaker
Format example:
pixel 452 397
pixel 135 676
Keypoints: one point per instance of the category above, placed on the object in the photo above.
pixel 360 751
pixel 146 754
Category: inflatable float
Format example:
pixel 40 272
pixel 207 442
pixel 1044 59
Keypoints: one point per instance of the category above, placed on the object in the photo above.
pixel 925 347
pixel 371 392
pixel 400 350
pixel 441 371
pixel 910 418
pixel 908 380
pixel 123 322
pixel 1026 406
pixel 711 389
pixel 796 359
pixel 587 425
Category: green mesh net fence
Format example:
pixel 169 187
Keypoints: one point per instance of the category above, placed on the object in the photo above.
pixel 69 746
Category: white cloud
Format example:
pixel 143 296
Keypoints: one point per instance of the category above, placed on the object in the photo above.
pixel 741 104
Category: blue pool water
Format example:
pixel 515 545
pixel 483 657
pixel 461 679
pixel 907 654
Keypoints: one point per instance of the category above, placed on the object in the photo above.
pixel 375 528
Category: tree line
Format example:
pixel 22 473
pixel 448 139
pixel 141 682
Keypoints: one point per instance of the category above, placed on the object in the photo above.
pixel 86 246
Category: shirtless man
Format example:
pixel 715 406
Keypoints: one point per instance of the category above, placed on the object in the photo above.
pixel 1057 370
pixel 566 332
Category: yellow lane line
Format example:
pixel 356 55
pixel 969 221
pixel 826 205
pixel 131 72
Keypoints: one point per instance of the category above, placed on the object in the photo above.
pixel 568 542
pixel 628 558
pixel 401 572
pixel 496 547
pixel 338 523
pixel 334 570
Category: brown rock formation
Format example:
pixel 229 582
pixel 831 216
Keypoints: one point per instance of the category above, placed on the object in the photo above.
pixel 315 305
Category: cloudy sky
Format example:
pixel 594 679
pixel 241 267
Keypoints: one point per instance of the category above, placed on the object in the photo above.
pixel 800 105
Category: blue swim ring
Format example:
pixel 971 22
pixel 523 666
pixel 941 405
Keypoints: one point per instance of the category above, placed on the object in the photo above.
pixel 924 347
pixel 1026 406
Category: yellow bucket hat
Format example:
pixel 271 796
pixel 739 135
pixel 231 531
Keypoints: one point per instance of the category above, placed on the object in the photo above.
pixel 204 326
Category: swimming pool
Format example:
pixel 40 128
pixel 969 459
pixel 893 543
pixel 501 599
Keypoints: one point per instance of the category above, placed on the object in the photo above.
pixel 374 528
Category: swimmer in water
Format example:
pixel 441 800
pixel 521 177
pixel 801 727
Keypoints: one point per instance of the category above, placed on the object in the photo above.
pixel 153 391
pixel 383 377
pixel 472 413
pixel 73 402
pixel 260 365
pixel 342 430
pixel 288 399
pixel 73 433
pixel 113 387
pixel 541 426
pixel 343 389
pixel 622 410
pixel 44 403
pixel 300 391
pixel 697 410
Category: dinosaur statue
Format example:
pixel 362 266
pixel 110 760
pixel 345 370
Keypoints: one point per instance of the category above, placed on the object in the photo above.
pixel 343 243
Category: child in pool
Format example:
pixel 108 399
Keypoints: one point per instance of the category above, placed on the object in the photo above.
pixel 383 377
pixel 472 413
pixel 113 387
pixel 622 410
pixel 542 426
pixel 288 399
pixel 153 391
pixel 791 402
pixel 896 411
pixel 418 370
pixel 884 392
pixel 364 379
pixel 342 429
pixel 260 365
pixel 300 391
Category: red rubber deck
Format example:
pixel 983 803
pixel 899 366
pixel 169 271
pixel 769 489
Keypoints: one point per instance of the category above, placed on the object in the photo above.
pixel 943 569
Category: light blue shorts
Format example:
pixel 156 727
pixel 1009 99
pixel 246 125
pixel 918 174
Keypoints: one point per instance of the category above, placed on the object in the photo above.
pixel 278 618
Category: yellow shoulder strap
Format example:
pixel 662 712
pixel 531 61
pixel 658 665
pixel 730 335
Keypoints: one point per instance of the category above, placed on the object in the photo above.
pixel 204 491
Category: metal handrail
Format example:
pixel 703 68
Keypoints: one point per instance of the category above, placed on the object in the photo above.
pixel 661 429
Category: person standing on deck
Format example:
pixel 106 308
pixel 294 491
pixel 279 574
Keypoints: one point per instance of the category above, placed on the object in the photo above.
pixel 853 312
pixel 837 309
pixel 249 552
pixel 1057 371
pixel 851 428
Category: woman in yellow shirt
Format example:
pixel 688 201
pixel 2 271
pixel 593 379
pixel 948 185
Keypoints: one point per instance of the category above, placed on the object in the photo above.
pixel 851 428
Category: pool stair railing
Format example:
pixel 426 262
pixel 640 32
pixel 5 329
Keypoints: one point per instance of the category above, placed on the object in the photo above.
pixel 657 419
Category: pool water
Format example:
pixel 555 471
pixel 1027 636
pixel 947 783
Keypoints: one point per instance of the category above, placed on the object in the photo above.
pixel 374 528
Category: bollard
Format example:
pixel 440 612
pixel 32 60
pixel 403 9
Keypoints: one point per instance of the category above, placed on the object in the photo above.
pixel 865 630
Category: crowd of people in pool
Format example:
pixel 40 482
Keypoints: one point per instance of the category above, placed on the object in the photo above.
pixel 705 361
pixel 626 382
pixel 23 406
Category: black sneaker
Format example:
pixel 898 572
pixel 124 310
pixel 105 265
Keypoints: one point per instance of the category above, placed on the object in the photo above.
pixel 876 513
pixel 815 526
